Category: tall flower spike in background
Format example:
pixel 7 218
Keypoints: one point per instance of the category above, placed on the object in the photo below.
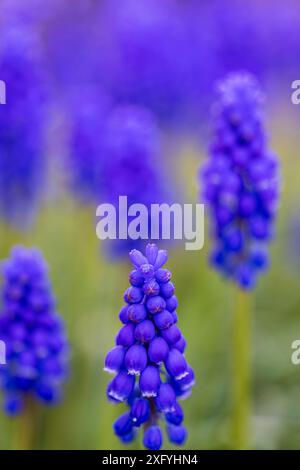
pixel 241 189
pixel 36 345
pixel 132 165
pixel 152 373
pixel 22 119
pixel 241 183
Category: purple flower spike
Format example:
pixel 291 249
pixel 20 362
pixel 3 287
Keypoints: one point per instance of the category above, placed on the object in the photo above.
pixel 241 181
pixel 36 346
pixel 149 345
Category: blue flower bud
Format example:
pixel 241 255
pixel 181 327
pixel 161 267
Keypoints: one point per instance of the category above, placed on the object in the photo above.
pixel 161 259
pixel 136 279
pixel 140 411
pixel 151 252
pixel 153 438
pixel 145 331
pixel 188 381
pixel 123 425
pixel 158 350
pixel 176 416
pixel 133 295
pixel 136 313
pixel 147 271
pixel 149 381
pixel 172 303
pixel 167 290
pixel 136 359
pixel 137 258
pixel 180 345
pixel 163 320
pixel 176 434
pixel 246 276
pixel 151 288
pixel 114 360
pixel 163 276
pixel 172 335
pixel 125 336
pixel 166 398
pixel 47 392
pixel 156 304
pixel 121 386
pixel 176 364
pixel 123 315
pixel 259 259
pixel 13 405
pixel 127 438
pixel 175 316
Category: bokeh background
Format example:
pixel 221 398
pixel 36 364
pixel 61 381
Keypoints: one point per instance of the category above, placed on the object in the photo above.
pixel 68 66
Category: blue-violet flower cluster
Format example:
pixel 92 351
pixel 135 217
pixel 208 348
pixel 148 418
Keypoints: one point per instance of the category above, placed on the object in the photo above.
pixel 36 345
pixel 241 182
pixel 152 373
pixel 22 128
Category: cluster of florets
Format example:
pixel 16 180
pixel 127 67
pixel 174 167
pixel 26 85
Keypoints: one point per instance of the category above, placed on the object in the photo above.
pixel 241 182
pixel 22 121
pixel 33 334
pixel 148 359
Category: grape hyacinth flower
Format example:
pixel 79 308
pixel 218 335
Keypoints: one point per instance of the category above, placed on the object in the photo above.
pixel 36 345
pixel 132 166
pixel 151 371
pixel 22 127
pixel 241 182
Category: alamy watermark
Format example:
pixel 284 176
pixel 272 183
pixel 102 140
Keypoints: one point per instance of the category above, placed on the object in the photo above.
pixel 2 92
pixel 2 353
pixel 157 222
pixel 295 96
pixel 295 357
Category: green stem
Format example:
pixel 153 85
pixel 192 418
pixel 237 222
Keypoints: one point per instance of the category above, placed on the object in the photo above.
pixel 241 370
pixel 25 432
